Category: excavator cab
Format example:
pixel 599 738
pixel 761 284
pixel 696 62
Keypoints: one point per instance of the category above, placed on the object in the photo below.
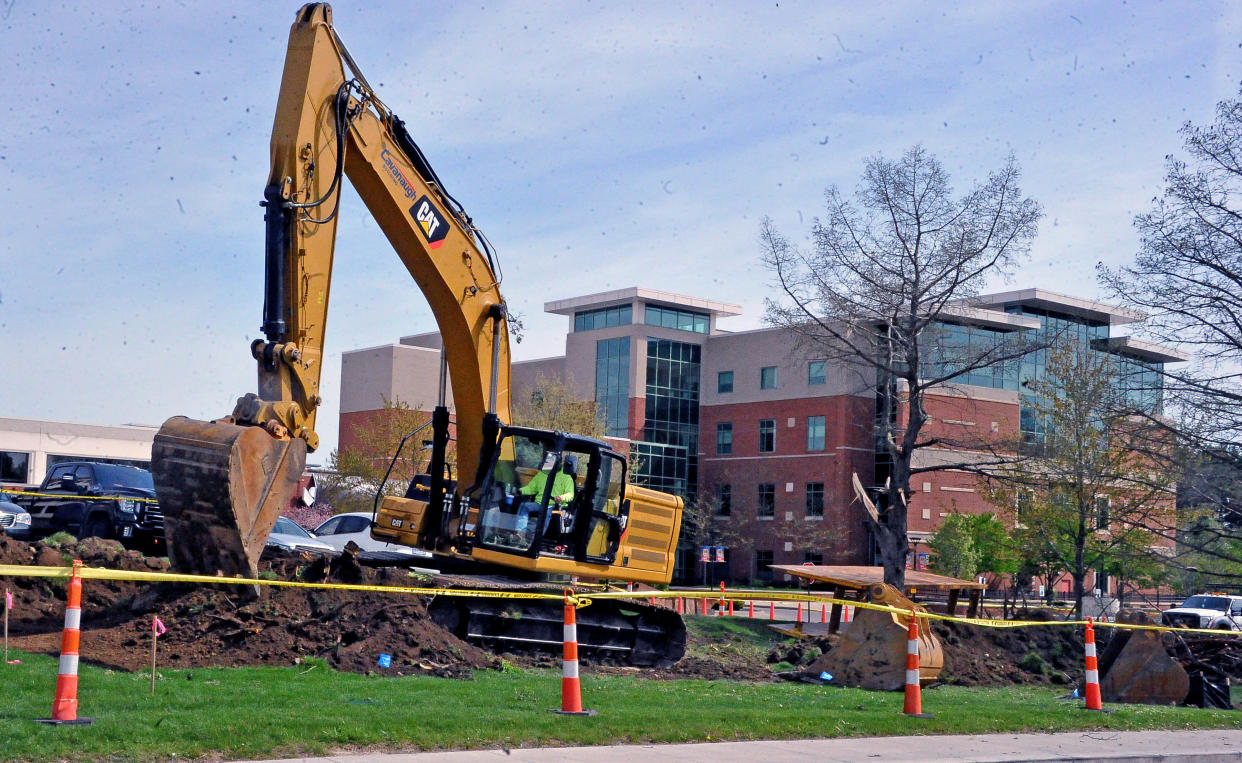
pixel 548 494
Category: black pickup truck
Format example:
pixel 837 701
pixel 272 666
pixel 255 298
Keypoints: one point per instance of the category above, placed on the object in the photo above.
pixel 87 499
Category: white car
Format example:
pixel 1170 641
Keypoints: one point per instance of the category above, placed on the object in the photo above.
pixel 288 536
pixel 356 526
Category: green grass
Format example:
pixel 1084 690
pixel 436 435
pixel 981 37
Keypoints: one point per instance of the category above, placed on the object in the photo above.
pixel 308 709
pixel 714 636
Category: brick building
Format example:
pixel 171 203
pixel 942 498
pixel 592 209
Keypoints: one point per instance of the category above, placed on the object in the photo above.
pixel 765 427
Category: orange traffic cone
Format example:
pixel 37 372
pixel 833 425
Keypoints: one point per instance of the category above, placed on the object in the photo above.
pixel 1093 671
pixel 65 706
pixel 571 688
pixel 914 693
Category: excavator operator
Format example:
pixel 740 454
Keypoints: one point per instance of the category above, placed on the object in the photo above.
pixel 562 489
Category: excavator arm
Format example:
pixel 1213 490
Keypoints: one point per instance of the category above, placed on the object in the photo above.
pixel 222 484
pixel 326 126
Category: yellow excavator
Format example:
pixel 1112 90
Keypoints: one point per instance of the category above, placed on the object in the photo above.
pixel 222 484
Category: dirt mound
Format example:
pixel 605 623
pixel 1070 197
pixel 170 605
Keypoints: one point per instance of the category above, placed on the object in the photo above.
pixel 224 626
pixel 976 656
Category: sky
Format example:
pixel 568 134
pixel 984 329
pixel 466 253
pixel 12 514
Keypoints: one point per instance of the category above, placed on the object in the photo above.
pixel 600 145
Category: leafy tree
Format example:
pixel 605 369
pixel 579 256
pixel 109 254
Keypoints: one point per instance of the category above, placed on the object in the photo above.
pixel 953 548
pixel 993 544
pixel 882 274
pixel 359 469
pixel 1084 493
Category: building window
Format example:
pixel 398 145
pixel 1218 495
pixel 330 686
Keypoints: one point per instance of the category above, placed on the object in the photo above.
pixel 814 432
pixel 724 382
pixel 815 499
pixel 605 317
pixel 763 565
pixel 668 450
pixel 767 377
pixel 813 557
pixel 612 384
pixel 14 466
pixel 767 435
pixel 767 500
pixel 817 372
pixel 683 320
pixel 724 438
pixel 724 500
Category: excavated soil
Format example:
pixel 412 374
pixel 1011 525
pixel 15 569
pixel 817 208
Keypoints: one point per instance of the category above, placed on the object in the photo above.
pixel 209 626
pixel 224 626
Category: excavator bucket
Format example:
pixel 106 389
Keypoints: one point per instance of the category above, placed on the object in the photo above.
pixel 1135 667
pixel 221 488
pixel 872 651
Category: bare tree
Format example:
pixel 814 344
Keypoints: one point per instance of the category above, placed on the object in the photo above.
pixel 553 404
pixel 1187 276
pixel 883 277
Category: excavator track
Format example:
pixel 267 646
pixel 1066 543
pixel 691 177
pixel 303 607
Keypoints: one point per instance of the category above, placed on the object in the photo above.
pixel 621 631
pixel 221 488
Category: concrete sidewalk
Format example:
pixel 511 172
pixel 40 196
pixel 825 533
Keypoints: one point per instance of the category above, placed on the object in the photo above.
pixel 1180 746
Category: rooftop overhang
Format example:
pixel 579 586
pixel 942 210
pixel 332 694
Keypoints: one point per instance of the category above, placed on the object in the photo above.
pixel 1137 348
pixel 640 294
pixel 993 319
pixel 1040 299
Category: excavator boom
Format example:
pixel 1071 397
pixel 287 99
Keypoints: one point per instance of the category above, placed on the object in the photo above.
pixel 222 483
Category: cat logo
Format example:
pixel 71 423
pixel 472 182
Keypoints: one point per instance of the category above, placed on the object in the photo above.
pixel 430 222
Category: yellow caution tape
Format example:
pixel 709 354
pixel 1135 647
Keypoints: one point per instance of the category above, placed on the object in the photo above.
pixel 577 599
pixel 99 573
pixel 79 497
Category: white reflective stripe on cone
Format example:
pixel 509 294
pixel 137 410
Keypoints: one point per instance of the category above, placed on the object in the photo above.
pixel 68 664
pixel 571 633
pixel 912 647
pixel 569 669
pixel 912 677
pixel 73 618
pixel 1093 676
pixel 1091 649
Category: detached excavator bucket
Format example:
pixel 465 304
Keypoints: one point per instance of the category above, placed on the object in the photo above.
pixel 872 651
pixel 1135 667
pixel 221 488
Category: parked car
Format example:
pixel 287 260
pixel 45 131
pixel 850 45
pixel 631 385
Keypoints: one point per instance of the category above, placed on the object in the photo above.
pixel 286 535
pixel 14 520
pixel 356 526
pixel 94 499
pixel 1206 610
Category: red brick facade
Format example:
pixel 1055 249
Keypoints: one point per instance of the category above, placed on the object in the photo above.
pixel 839 536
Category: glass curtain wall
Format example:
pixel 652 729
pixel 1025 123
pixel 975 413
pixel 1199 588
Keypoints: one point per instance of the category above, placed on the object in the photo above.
pixel 669 448
pixel 612 384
